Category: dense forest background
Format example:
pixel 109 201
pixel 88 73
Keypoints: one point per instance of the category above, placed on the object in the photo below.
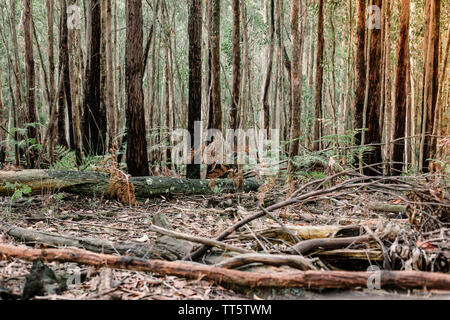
pixel 119 76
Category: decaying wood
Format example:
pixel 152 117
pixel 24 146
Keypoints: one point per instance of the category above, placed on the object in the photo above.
pixel 209 242
pixel 307 246
pixel 302 232
pixel 95 183
pixel 297 262
pixel 351 254
pixel 300 279
pixel 163 248
pixel 386 207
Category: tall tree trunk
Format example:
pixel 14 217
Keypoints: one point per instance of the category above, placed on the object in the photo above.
pixel 242 121
pixel 30 82
pixel 104 101
pixel 94 117
pixel 136 141
pixel 268 78
pixel 373 135
pixel 215 65
pixel 235 4
pixel 431 82
pixel 348 84
pixel 51 54
pixel 63 32
pixel 401 88
pixel 2 124
pixel 195 80
pixel 360 76
pixel 296 81
pixel 389 111
pixel 74 62
pixel 319 80
pixel 20 109
pixel 110 79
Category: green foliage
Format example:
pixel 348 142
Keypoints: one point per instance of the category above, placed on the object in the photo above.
pixel 19 190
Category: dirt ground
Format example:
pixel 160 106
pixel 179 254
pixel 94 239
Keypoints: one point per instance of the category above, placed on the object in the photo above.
pixel 205 216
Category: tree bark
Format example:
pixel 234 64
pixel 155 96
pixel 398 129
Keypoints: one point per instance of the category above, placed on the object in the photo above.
pixel 373 135
pixel 296 80
pixel 268 78
pixel 195 80
pixel 2 125
pixel 236 64
pixel 94 116
pixel 74 62
pixel 51 52
pixel 319 80
pixel 401 88
pixel 136 141
pixel 360 76
pixel 431 84
pixel 215 65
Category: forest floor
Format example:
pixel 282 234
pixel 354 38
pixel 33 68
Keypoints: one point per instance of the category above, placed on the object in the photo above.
pixel 205 216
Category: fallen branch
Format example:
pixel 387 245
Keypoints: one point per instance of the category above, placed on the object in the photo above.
pixel 297 262
pixel 206 241
pixel 386 207
pixel 301 232
pixel 308 246
pixel 300 279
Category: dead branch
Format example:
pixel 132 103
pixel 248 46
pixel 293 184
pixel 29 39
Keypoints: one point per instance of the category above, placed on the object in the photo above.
pixel 300 279
pixel 307 246
pixel 297 262
pixel 206 241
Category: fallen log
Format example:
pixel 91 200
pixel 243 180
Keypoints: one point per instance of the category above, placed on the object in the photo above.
pixel 163 248
pixel 95 183
pixel 300 279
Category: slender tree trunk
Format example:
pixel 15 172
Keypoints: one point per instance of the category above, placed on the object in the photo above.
pixel 195 80
pixel 319 80
pixel 215 64
pixel 30 82
pixel 268 78
pixel 242 123
pixel 236 64
pixel 74 42
pixel 401 88
pixel 438 123
pixel 373 135
pixel 20 109
pixel 112 129
pixel 2 124
pixel 360 76
pixel 431 83
pixel 296 81
pixel 348 84
pixel 136 141
pixel 104 101
pixel 62 140
pixel 94 116
pixel 51 54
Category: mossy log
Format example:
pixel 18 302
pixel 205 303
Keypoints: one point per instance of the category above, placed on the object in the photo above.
pixel 95 183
